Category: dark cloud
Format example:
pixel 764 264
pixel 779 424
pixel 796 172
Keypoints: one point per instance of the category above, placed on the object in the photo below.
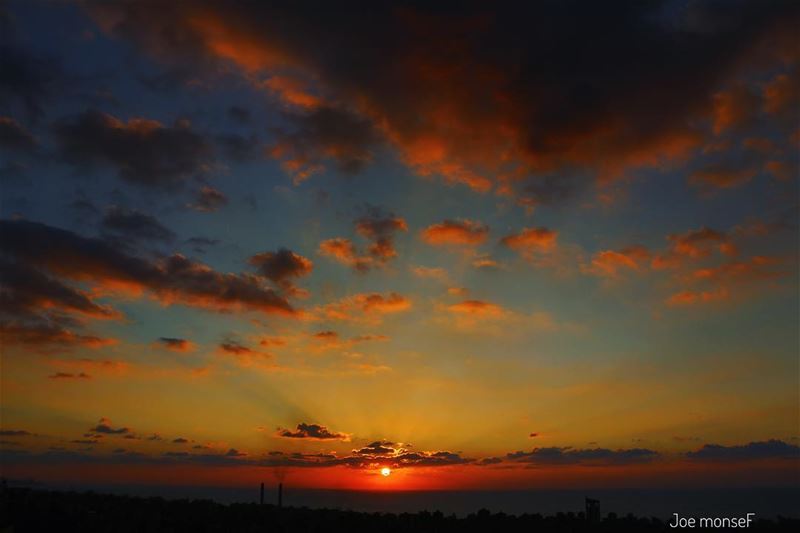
pixel 27 292
pixel 180 440
pixel 238 147
pixel 589 456
pixel 770 449
pixel 104 426
pixel 239 114
pixel 537 101
pixel 235 348
pixel 68 375
pixel 143 151
pixel 282 267
pixel 26 79
pixel 176 345
pixel 312 432
pixel 38 310
pixel 199 244
pixel 13 136
pixel 172 279
pixel 380 447
pixel 322 134
pixel 134 225
pixel 233 452
pixel 15 433
pixel 209 199
pixel 379 228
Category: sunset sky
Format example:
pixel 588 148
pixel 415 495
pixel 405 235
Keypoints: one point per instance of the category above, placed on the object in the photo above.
pixel 479 245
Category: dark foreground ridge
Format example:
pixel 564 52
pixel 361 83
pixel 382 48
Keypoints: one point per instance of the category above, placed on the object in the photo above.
pixel 27 510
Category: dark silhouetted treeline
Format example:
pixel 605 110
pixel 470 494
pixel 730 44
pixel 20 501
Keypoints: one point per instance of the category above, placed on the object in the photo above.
pixel 25 510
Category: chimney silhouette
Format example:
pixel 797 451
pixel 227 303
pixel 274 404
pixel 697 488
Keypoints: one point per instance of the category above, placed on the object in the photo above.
pixel 261 500
pixel 592 511
pixel 280 494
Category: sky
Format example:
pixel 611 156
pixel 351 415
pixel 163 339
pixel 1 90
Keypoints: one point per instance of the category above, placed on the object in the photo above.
pixel 482 245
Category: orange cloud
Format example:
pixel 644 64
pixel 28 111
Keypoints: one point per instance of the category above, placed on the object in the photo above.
pixel 345 252
pixel 782 93
pixel 45 337
pixel 694 244
pixel 437 273
pixel 478 308
pixel 686 298
pixel 734 108
pixel 723 176
pixel 176 345
pixel 376 226
pixel 484 118
pixel 292 91
pixel 461 232
pixel 611 263
pixel 531 240
pixel 368 307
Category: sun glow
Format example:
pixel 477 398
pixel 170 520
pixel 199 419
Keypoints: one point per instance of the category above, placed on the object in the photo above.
pixel 386 471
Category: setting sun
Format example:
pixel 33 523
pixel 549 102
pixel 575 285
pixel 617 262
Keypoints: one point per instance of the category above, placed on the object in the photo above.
pixel 386 471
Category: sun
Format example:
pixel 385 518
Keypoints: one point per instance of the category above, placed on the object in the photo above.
pixel 385 471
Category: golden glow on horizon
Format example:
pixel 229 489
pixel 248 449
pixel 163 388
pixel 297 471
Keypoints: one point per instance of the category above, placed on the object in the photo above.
pixel 385 471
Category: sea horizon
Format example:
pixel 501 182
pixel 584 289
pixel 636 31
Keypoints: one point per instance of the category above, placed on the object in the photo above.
pixel 765 502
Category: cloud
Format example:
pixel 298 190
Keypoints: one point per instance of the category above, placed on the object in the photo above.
pixel 173 279
pixel 26 78
pixel 104 427
pixel 144 151
pixel 15 137
pixel 31 295
pixel 176 345
pixel 238 147
pixel 199 244
pixel 369 307
pixel 344 251
pixel 590 456
pixel 47 336
pixel 423 81
pixel 15 433
pixel 725 175
pixel 67 375
pixel 320 134
pixel 379 228
pixel 134 225
pixel 239 114
pixel 782 94
pixel 461 232
pixel 770 449
pixel 179 440
pixel 611 264
pixel 233 347
pixel 688 297
pixel 734 108
pixel 208 200
pixel 331 340
pixel 282 267
pixel 437 273
pixel 530 241
pixel 312 432
pixel 694 244
pixel 477 308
